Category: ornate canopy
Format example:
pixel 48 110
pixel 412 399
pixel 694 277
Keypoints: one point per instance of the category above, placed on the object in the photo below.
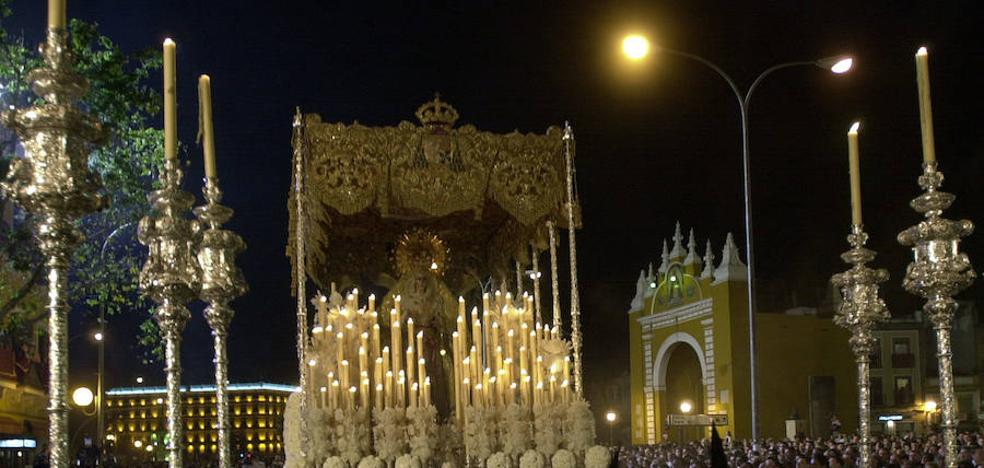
pixel 486 196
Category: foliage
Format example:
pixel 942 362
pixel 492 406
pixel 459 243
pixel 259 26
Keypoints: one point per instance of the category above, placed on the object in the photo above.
pixel 106 265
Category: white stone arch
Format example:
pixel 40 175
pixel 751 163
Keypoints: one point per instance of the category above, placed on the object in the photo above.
pixel 662 360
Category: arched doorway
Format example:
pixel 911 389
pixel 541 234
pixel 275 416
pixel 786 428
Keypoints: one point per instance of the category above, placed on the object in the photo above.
pixel 684 386
pixel 681 375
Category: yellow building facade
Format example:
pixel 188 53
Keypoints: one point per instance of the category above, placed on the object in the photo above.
pixel 688 330
pixel 135 420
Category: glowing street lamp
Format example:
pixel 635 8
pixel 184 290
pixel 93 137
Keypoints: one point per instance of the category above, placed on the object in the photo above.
pixel 82 397
pixel 636 47
pixel 98 336
pixel 686 407
pixel 929 406
pixel 611 416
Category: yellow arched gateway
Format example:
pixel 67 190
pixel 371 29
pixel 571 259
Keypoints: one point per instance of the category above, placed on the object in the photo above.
pixel 688 328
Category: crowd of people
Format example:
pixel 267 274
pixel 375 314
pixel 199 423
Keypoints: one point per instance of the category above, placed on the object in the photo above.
pixel 838 451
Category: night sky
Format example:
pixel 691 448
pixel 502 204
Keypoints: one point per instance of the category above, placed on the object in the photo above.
pixel 656 143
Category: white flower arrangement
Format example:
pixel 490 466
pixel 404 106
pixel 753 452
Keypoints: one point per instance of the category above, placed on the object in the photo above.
pixel 390 433
pixel 423 432
pixel 293 457
pixel 449 443
pixel 514 430
pixel 597 457
pixel 579 428
pixel 531 459
pixel 479 432
pixel 498 460
pixel 371 462
pixel 352 434
pixel 408 461
pixel 321 440
pixel 562 458
pixel 335 462
pixel 547 420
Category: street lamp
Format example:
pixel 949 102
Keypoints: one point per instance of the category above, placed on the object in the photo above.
pixel 686 407
pixel 929 407
pixel 82 397
pixel 610 416
pixel 636 47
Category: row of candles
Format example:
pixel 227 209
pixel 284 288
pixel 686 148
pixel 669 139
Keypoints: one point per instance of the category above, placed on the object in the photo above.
pixel 926 126
pixel 496 361
pixel 500 358
pixel 396 379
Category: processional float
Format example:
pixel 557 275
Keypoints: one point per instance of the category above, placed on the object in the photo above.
pixel 433 218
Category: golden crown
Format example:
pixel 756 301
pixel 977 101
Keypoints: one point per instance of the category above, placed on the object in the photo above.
pixel 437 113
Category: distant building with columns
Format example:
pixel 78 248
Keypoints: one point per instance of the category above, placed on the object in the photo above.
pixel 688 330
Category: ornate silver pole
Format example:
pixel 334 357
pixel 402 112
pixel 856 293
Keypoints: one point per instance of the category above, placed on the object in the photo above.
pixel 171 277
pixel 222 281
pixel 575 301
pixel 53 182
pixel 859 312
pixel 300 275
pixel 536 282
pixel 937 272
pixel 554 281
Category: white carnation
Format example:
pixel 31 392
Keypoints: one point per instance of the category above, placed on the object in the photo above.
pixel 407 461
pixel 371 462
pixel 531 459
pixel 335 462
pixel 497 460
pixel 562 458
pixel 597 457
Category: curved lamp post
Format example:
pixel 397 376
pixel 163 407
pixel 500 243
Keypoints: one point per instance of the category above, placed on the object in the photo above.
pixel 636 47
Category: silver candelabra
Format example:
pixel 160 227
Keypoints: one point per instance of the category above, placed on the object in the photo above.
pixel 221 282
pixel 171 278
pixel 859 312
pixel 53 182
pixel 937 272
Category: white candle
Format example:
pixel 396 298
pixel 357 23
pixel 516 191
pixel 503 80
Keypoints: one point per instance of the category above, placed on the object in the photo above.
pixel 925 105
pixel 57 18
pixel 855 173
pixel 208 134
pixel 170 101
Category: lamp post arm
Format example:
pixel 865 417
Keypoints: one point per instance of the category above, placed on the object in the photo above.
pixel 707 63
pixel 767 72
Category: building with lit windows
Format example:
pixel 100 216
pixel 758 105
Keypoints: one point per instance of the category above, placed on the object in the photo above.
pixel 135 420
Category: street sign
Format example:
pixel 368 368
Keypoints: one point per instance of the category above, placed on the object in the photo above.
pixel 697 419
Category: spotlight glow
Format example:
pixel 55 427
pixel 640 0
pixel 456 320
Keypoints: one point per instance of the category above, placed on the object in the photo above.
pixel 635 46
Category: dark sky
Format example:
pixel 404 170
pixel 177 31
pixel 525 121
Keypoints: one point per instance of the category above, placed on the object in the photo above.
pixel 655 145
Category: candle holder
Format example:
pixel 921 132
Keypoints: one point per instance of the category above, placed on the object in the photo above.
pixel 221 282
pixel 937 272
pixel 53 181
pixel 859 312
pixel 171 277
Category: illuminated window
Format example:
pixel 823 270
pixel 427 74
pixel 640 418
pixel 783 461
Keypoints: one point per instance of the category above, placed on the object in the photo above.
pixel 132 427
pixel 238 423
pixel 190 412
pixel 236 399
pixel 191 448
pixel 201 400
pixel 249 423
pixel 201 411
pixel 263 447
pixel 191 438
pixel 214 448
pixel 249 435
pixel 238 409
pixel 133 402
pixel 143 415
pixel 133 414
pixel 153 414
pixel 213 437
pixel 249 409
pixel 249 447
pixel 261 423
pixel 153 426
pixel 201 437
pixel 261 398
pixel 201 449
pixel 143 402
pixel 143 427
pixel 190 425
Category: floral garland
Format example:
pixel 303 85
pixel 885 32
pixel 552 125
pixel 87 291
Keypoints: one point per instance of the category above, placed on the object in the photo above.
pixel 531 459
pixel 293 454
pixel 597 457
pixel 321 439
pixel 449 443
pixel 479 432
pixel 371 462
pixel 390 433
pixel 352 434
pixel 547 421
pixel 563 458
pixel 408 461
pixel 514 430
pixel 335 462
pixel 423 432
pixel 498 460
pixel 579 428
